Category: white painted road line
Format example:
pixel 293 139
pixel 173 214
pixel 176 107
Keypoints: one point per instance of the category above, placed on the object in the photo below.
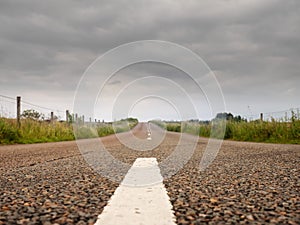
pixel 149 132
pixel 140 205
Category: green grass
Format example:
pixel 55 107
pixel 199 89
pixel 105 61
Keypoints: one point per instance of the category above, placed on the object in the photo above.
pixel 275 131
pixel 271 132
pixel 104 129
pixel 33 131
pixel 9 133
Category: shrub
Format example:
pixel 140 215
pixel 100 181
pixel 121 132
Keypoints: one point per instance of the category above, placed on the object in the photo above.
pixel 9 132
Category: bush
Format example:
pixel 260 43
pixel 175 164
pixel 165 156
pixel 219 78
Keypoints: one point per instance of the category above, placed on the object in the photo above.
pixel 9 132
pixel 175 127
pixel 105 130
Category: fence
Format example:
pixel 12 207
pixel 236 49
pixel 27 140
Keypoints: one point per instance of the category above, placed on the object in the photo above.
pixel 9 109
pixel 284 115
pixel 13 107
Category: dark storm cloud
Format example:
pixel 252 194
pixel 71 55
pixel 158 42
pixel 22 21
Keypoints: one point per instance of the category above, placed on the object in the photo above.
pixel 253 46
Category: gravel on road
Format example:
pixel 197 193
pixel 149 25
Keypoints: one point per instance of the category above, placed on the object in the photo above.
pixel 248 183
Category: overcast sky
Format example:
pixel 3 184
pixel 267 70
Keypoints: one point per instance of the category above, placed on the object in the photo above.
pixel 252 46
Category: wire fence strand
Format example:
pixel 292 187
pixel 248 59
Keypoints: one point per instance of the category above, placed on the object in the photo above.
pixel 8 108
pixel 283 115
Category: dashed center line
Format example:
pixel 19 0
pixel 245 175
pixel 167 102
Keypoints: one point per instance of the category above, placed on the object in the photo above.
pixel 149 132
pixel 137 204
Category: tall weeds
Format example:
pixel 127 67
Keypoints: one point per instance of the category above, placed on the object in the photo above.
pixel 274 131
pixel 33 131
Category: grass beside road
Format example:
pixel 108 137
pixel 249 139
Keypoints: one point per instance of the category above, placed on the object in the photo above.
pixel 274 131
pixel 33 131
pixel 270 132
pixel 103 129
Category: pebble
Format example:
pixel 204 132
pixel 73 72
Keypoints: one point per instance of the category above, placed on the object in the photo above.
pixel 52 184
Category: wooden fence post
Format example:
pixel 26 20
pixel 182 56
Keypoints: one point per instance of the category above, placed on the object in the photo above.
pixel 19 111
pixel 52 117
pixel 67 116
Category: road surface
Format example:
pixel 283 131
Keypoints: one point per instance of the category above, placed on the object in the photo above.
pixel 247 182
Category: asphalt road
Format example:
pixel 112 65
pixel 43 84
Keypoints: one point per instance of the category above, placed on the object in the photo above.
pixel 247 183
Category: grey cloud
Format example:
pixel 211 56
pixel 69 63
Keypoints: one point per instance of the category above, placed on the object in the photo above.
pixel 114 82
pixel 253 46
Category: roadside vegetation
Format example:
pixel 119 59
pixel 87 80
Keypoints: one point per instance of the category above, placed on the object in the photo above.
pixel 284 131
pixel 35 129
pixel 93 130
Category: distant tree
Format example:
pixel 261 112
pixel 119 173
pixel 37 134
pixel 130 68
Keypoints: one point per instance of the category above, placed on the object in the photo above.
pixel 31 114
pixel 230 117
pixel 239 119
pixel 227 116
pixel 194 120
